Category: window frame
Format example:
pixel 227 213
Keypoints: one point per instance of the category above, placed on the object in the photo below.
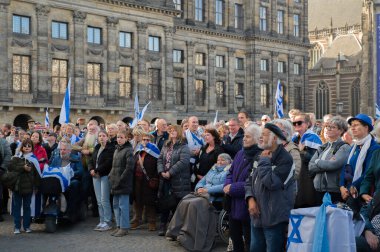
pixel 239 16
pixel 281 66
pixel 296 25
pixel 219 13
pixel 21 74
pixel 20 31
pixel 94 29
pixel 219 61
pixel 200 96
pixel 127 93
pixel 94 80
pixel 179 94
pixel 264 65
pixel 220 94
pixel 155 84
pixel 60 77
pixel 177 53
pixel 264 95
pixel 200 59
pixel 239 63
pixel 124 35
pixel 263 17
pixel 59 23
pixel 199 10
pixel 154 43
pixel 280 21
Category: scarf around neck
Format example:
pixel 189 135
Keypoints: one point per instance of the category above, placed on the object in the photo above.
pixel 365 143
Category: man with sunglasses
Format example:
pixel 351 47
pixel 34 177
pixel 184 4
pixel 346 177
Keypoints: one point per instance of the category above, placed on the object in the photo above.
pixel 308 142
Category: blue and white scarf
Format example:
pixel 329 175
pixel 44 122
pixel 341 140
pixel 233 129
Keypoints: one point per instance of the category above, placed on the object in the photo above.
pixel 64 174
pixel 309 139
pixel 194 140
pixel 32 159
pixel 150 149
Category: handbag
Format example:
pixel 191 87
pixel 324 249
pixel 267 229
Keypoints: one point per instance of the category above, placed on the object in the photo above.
pixel 152 182
pixel 167 202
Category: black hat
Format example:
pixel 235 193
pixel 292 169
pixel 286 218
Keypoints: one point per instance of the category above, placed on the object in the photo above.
pixel 276 130
pixel 31 120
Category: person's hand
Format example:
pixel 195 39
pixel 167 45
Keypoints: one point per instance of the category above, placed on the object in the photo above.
pixel 301 147
pixel 27 168
pixel 266 153
pixel 253 208
pixel 196 152
pixel 344 192
pixel 202 190
pixel 372 239
pixel 199 177
pixel 93 173
pixel 165 175
pixel 366 198
pixel 226 189
pixel 85 152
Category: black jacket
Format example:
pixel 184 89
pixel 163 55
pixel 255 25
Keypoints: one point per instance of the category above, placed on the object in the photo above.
pixel 104 160
pixel 232 147
pixel 121 174
pixel 207 160
pixel 162 140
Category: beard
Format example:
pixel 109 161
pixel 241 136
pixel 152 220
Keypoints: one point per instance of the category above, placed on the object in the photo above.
pixel 267 145
pixel 89 141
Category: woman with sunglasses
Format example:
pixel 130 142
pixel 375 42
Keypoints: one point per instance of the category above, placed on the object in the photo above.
pixel 39 151
pixel 26 166
pixel 145 182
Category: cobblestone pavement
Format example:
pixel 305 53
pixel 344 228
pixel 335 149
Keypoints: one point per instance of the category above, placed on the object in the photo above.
pixel 81 237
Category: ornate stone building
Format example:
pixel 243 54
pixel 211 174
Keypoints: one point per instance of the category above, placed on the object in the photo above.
pixel 186 57
pixel 341 57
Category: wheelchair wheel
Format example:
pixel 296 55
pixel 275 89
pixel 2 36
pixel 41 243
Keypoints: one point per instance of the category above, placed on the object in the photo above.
pixel 51 224
pixel 223 227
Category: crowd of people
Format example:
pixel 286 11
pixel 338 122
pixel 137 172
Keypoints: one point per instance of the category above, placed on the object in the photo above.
pixel 256 170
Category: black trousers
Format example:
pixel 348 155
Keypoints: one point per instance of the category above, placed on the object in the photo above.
pixel 238 230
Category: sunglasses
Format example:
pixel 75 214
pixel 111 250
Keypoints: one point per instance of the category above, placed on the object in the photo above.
pixel 27 146
pixel 146 140
pixel 298 123
pixel 46 132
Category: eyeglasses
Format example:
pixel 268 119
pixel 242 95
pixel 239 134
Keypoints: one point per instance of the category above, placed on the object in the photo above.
pixel 298 123
pixel 331 127
pixel 146 140
pixel 27 146
pixel 46 132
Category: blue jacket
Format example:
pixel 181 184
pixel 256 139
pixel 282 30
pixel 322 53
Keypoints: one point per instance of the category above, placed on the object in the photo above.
pixel 162 140
pixel 213 181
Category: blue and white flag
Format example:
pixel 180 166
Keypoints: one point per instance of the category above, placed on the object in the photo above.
pixel 141 114
pixel 150 148
pixel 47 121
pixel 216 118
pixel 64 116
pixel 279 101
pixel 137 112
pixel 377 111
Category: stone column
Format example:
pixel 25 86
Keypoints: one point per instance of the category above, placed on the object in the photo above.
pixel 210 14
pixel 275 77
pixel 43 79
pixel 167 64
pixel 211 98
pixel 273 18
pixel 230 8
pixel 249 83
pixel 291 87
pixel 112 69
pixel 5 85
pixel 231 81
pixel 141 85
pixel 190 93
pixel 256 102
pixel 79 89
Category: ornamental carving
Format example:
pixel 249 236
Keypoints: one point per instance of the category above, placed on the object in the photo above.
pixel 275 54
pixel 94 51
pixel 112 21
pixel 42 10
pixel 141 27
pixel 22 43
pixel 231 51
pixel 212 48
pixel 220 74
pixel 190 44
pixel 179 70
pixel 79 16
pixel 126 55
pixel 239 75
pixel 200 71
pixel 60 48
pixel 257 51
pixel 169 31
pixel 4 7
pixel 153 57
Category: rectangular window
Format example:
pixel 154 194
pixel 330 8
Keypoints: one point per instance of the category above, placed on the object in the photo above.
pixel 179 91
pixel 154 44
pixel 125 81
pixel 155 84
pixel 94 35
pixel 59 76
pixel 239 17
pixel 219 12
pixel 21 24
pixel 200 92
pixel 94 79
pixel 177 56
pixel 21 73
pixel 296 25
pixel 281 67
pixel 59 30
pixel 199 10
pixel 280 22
pixel 239 63
pixel 264 65
pixel 200 59
pixel 296 68
pixel 220 94
pixel 219 61
pixel 264 95
pixel 298 98
pixel 125 39
pixel 178 6
pixel 263 18
pixel 239 89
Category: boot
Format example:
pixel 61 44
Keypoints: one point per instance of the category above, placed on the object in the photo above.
pixel 121 232
pixel 115 231
pixel 162 229
pixel 152 227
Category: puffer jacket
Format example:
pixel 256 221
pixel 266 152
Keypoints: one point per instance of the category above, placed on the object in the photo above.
pixel 102 164
pixel 272 185
pixel 121 174
pixel 179 170
pixel 26 181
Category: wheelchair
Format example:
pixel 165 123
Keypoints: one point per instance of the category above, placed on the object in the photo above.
pixel 222 224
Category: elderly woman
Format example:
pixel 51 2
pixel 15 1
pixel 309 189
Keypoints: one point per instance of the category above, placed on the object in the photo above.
pixel 240 170
pixel 328 160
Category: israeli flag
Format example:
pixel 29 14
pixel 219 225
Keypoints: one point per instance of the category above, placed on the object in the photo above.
pixel 141 114
pixel 64 116
pixel 150 148
pixel 377 111
pixel 47 123
pixel 137 112
pixel 279 101
pixel 216 118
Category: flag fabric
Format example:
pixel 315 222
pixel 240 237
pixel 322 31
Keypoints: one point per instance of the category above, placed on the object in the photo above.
pixel 141 114
pixel 279 101
pixel 150 148
pixel 137 112
pixel 377 111
pixel 47 123
pixel 216 118
pixel 64 116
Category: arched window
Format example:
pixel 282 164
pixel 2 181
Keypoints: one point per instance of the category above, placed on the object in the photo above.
pixel 322 100
pixel 315 54
pixel 355 97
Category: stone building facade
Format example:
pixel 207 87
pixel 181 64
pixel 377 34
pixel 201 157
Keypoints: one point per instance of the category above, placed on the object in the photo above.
pixel 187 57
pixel 341 58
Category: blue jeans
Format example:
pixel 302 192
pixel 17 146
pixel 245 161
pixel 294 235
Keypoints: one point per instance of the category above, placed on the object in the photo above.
pixel 102 192
pixel 270 239
pixel 121 210
pixel 23 201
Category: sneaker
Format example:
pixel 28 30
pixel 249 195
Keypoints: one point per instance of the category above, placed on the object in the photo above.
pixel 230 246
pixel 17 231
pixel 99 226
pixel 105 227
pixel 115 231
pixel 121 232
pixel 170 238
pixel 28 230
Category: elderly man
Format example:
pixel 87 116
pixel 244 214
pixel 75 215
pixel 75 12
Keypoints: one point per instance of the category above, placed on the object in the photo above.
pixel 233 142
pixel 31 125
pixel 73 192
pixel 160 135
pixel 270 192
pixel 265 119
